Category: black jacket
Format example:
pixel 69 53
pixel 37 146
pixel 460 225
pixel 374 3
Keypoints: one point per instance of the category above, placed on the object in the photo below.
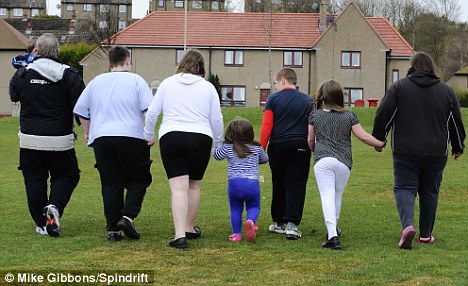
pixel 48 91
pixel 424 115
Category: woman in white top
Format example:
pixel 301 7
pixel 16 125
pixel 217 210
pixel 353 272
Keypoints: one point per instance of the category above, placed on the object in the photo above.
pixel 192 119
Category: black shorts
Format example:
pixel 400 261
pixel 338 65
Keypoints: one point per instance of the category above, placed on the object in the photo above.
pixel 185 153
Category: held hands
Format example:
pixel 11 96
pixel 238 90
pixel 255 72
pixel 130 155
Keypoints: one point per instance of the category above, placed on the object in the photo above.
pixel 151 142
pixel 379 149
pixel 456 155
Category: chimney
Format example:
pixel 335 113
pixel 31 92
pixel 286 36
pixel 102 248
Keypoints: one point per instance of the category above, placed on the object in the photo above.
pixel 323 15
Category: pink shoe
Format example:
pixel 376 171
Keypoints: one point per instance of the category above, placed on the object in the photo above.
pixel 235 237
pixel 250 231
pixel 431 240
pixel 406 241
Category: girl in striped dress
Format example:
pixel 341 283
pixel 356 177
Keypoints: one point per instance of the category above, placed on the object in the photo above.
pixel 330 129
pixel 244 154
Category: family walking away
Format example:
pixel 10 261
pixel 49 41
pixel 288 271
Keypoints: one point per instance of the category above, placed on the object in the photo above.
pixel 192 119
pixel 284 128
pixel 330 128
pixel 244 154
pixel 112 112
pixel 424 116
pixel 47 91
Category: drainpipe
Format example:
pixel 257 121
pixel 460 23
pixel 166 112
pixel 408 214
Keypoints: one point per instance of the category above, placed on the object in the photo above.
pixel 309 73
pixel 387 66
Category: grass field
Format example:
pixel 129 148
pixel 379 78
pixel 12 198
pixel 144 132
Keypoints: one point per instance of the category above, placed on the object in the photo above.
pixel 369 221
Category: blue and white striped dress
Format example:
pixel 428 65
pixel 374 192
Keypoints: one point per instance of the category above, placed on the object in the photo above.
pixel 241 167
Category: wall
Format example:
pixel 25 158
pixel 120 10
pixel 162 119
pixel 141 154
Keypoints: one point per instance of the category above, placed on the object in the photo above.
pixel 7 72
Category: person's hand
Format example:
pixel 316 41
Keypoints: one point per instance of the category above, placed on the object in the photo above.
pixel 85 136
pixel 151 142
pixel 456 155
pixel 379 149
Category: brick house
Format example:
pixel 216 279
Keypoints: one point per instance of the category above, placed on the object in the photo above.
pixel 459 80
pixel 245 50
pixel 22 8
pixel 192 5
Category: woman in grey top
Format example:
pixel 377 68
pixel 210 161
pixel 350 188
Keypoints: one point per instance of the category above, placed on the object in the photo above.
pixel 329 138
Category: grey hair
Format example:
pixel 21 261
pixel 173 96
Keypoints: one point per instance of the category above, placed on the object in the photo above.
pixel 48 45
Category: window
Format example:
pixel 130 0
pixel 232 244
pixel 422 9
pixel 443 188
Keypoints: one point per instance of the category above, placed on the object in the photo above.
pixel 179 3
pixel 122 25
pixel 233 95
pixel 69 7
pixel 122 8
pixel 87 7
pixel 214 5
pixel 197 4
pixel 161 3
pixel 104 8
pixel 234 58
pixel 351 94
pixel 3 11
pixel 102 24
pixel 18 12
pixel 179 56
pixel 293 59
pixel 395 75
pixel 350 59
pixel 34 12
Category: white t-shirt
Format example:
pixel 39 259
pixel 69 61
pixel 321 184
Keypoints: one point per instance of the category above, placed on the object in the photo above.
pixel 189 103
pixel 115 103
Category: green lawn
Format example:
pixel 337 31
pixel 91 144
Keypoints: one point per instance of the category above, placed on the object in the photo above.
pixel 369 221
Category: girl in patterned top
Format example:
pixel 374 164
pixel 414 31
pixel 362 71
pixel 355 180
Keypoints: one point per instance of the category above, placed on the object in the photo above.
pixel 244 154
pixel 329 138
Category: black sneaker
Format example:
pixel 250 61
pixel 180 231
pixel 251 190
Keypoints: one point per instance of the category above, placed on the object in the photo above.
pixel 193 235
pixel 338 231
pixel 332 243
pixel 115 236
pixel 52 220
pixel 128 228
pixel 180 243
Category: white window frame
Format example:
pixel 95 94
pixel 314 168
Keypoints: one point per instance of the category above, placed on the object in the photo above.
pixel 234 58
pixel 70 7
pixel 179 3
pixel 292 58
pixel 350 59
pixel 3 11
pixel 395 75
pixel 351 94
pixel 161 3
pixel 122 24
pixel 214 5
pixel 238 95
pixel 87 7
pixel 103 25
pixel 18 12
pixel 122 8
pixel 104 8
pixel 34 12
pixel 197 4
pixel 179 55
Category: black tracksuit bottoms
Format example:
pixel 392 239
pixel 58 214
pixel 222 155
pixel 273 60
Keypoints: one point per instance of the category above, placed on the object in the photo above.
pixel 123 163
pixel 37 166
pixel 289 164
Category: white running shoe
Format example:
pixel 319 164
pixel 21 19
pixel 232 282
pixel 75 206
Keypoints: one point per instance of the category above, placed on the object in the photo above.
pixel 52 223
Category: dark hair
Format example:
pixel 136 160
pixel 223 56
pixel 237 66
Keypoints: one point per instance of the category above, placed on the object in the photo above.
pixel 31 44
pixel 421 62
pixel 330 96
pixel 288 74
pixel 118 55
pixel 193 63
pixel 240 133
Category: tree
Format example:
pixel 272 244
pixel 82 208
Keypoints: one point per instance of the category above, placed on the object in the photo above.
pixel 72 54
pixel 214 79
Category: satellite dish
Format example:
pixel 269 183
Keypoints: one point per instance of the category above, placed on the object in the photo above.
pixel 59 5
pixel 315 7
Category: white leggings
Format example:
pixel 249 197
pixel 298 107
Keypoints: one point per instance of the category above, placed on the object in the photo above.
pixel 331 176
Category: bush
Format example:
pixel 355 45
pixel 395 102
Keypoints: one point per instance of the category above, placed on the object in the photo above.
pixel 462 97
pixel 72 54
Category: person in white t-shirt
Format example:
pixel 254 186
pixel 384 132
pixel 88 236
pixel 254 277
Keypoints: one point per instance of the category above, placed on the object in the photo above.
pixel 112 112
pixel 192 119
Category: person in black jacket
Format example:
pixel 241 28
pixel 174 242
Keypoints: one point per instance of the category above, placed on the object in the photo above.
pixel 47 91
pixel 424 116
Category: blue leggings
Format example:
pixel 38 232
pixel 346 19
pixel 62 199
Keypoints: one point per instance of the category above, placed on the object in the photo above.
pixel 242 190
